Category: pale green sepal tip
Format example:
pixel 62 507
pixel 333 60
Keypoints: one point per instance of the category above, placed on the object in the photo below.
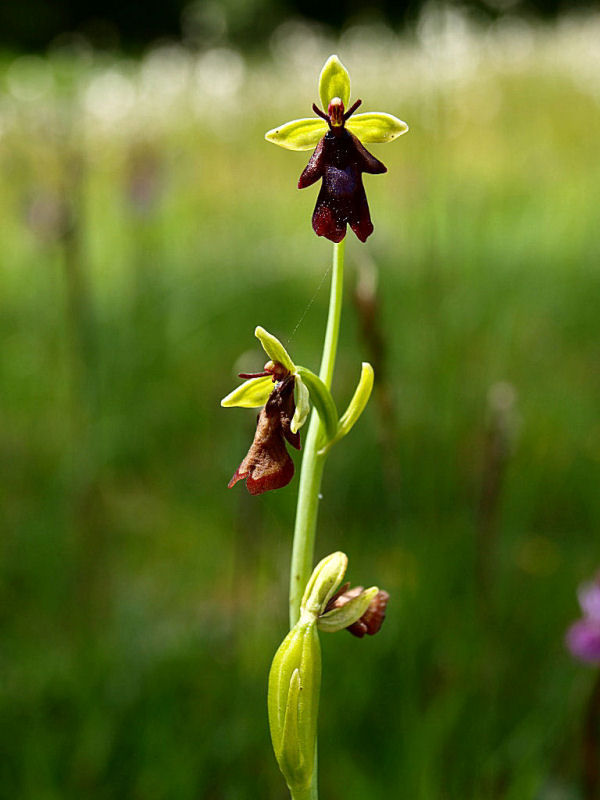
pixel 322 400
pixel 299 134
pixel 376 127
pixel 302 398
pixel 274 349
pixel 323 582
pixel 334 81
pixel 253 393
pixel 359 400
pixel 339 618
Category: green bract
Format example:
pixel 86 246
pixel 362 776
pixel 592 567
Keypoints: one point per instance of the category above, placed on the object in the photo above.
pixel 369 127
pixel 322 399
pixel 293 703
pixel 356 406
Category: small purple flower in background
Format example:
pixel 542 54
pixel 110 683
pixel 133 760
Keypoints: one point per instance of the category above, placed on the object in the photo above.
pixel 583 637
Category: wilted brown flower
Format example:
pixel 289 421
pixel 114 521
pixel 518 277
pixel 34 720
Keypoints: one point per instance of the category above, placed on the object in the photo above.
pixel 268 464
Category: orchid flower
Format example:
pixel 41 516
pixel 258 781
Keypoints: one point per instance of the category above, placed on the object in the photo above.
pixel 340 157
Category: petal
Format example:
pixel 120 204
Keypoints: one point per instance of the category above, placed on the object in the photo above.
pixel 302 405
pixel 251 394
pixel 334 81
pixel 299 134
pixel 375 126
pixel 274 349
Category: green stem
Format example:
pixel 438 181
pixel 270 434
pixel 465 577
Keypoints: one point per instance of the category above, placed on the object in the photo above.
pixel 311 472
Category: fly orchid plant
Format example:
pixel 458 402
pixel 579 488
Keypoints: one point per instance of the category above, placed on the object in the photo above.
pixel 285 391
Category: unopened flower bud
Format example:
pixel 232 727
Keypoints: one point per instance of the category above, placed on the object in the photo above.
pixel 324 581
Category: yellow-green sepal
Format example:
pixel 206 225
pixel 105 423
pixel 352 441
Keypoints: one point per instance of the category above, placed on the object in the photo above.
pixel 274 349
pixel 299 134
pixel 339 618
pixel 253 393
pixel 322 400
pixel 376 126
pixel 360 398
pixel 334 81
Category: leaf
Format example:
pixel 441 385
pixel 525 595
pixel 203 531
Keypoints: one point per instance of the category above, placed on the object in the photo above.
pixel 274 349
pixel 322 400
pixel 299 134
pixel 334 81
pixel 253 393
pixel 376 126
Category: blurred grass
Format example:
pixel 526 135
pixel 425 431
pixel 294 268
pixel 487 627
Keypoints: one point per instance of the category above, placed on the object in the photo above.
pixel 147 228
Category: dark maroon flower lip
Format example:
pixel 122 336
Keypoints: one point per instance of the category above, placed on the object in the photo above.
pixel 267 464
pixel 339 161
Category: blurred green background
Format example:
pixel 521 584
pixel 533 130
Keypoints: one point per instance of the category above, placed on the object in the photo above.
pixel 147 227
